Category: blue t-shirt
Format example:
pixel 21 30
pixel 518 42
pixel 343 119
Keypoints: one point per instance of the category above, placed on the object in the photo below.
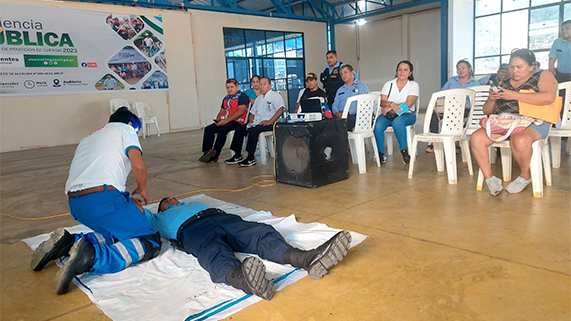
pixel 344 92
pixel 168 222
pixel 561 50
pixel 454 83
pixel 251 93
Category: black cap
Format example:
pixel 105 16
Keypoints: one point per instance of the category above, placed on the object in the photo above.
pixel 121 115
pixel 310 76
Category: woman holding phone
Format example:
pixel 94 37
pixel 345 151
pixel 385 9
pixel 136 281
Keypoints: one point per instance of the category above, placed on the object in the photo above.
pixel 506 99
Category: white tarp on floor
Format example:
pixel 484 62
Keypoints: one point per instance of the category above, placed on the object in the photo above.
pixel 173 286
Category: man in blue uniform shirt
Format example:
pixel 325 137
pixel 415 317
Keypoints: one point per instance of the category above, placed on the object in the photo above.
pixel 352 87
pixel 212 236
pixel 561 53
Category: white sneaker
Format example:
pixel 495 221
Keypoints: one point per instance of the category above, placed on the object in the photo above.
pixel 517 185
pixel 494 185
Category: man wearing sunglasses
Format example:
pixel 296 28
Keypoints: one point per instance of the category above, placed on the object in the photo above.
pixel 99 200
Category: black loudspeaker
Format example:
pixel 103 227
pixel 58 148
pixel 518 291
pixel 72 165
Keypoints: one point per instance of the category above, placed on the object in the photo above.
pixel 312 154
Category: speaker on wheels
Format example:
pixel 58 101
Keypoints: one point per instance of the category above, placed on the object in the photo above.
pixel 312 154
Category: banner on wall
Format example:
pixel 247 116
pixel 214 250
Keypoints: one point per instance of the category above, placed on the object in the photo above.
pixel 48 50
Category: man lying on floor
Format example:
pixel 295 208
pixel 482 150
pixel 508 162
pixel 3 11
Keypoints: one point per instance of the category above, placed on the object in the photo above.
pixel 212 236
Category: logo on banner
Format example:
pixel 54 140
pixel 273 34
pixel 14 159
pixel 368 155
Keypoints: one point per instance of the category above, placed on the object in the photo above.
pixel 29 84
pixel 74 83
pixel 8 60
pixel 89 64
pixel 56 83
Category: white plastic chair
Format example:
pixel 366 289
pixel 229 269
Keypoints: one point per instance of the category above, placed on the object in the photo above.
pixel 266 138
pixel 409 131
pixel 539 157
pixel 565 129
pixel 482 93
pixel 367 109
pixel 143 111
pixel 117 103
pixel 452 130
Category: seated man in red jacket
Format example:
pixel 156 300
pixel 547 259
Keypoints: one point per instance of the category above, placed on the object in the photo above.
pixel 233 112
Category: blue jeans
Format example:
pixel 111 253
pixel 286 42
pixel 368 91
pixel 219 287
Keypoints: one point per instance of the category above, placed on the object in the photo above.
pixel 399 126
pixel 123 234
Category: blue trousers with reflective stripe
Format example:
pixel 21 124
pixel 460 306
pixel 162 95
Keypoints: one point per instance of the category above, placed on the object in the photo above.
pixel 118 224
pixel 214 239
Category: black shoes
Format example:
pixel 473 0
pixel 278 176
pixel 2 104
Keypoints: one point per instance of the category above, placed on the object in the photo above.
pixel 243 161
pixel 317 262
pixel 236 159
pixel 81 259
pixel 251 278
pixel 58 245
pixel 208 157
pixel 405 156
pixel 249 161
pixel 382 158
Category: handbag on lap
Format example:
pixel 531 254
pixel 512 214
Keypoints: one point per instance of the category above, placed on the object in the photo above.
pixel 504 124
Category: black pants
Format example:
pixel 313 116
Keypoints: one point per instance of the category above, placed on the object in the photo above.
pixel 252 134
pixel 351 120
pixel 561 77
pixel 214 239
pixel 210 132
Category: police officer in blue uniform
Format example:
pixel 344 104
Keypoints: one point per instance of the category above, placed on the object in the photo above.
pixel 352 87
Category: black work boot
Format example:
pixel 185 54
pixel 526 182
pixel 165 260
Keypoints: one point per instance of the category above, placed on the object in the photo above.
pixel 237 280
pixel 317 262
pixel 81 259
pixel 251 278
pixel 58 245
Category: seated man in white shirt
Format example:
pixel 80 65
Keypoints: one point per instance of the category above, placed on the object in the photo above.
pixel 267 109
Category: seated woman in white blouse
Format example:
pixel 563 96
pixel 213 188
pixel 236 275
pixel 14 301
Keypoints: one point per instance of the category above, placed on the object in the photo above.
pixel 394 93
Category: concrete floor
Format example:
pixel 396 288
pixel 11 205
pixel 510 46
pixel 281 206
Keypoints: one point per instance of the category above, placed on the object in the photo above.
pixel 435 251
